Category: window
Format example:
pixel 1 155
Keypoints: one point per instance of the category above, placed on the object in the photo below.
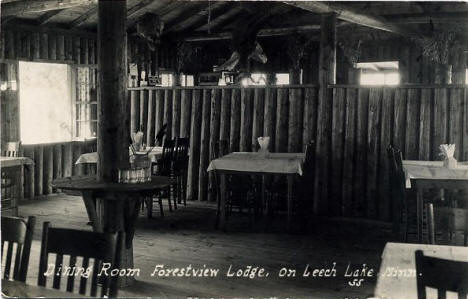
pixel 45 102
pixel 186 80
pixel 85 103
pixel 282 79
pixel 258 79
pixel 379 73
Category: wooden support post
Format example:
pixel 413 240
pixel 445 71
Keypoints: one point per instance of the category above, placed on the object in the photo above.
pixel 258 113
pixel 175 113
pixel 113 124
pixel 38 164
pixel 327 75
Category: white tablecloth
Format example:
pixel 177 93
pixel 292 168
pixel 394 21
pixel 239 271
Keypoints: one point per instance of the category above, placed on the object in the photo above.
pixel 255 162
pixel 433 170
pixel 15 161
pixel 154 155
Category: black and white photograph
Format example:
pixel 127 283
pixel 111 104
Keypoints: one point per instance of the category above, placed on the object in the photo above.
pixel 205 149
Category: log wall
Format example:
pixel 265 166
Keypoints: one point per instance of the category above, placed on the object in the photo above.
pixel 238 115
pixel 51 161
pixel 415 119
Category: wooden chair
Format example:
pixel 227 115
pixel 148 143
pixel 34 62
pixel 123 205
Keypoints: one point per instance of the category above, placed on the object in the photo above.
pixel 397 191
pixel 160 135
pixel 17 230
pixel 180 167
pixel 101 247
pixel 11 149
pixel 163 167
pixel 449 221
pixel 441 274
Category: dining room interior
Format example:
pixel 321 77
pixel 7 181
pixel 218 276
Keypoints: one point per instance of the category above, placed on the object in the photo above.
pixel 234 149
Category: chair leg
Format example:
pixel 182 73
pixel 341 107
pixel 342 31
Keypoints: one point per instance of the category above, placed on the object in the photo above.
pixel 149 206
pixel 430 223
pixel 169 198
pixel 161 205
pixel 174 192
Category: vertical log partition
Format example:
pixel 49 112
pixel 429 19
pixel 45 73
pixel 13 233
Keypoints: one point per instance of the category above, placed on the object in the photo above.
pixel 51 161
pixel 363 122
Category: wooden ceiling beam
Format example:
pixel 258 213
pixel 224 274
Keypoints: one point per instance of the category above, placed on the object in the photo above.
pixel 216 14
pixel 162 11
pixel 262 33
pixel 83 18
pixel 348 14
pixel 173 24
pixel 440 17
pixel 140 6
pixel 46 17
pixel 26 6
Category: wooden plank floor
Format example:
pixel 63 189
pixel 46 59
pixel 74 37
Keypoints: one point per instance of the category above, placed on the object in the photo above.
pixel 186 237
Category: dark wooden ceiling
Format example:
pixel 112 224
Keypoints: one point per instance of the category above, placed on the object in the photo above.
pixel 202 19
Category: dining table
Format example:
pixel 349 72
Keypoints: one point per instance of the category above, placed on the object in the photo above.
pixel 154 154
pixel 12 168
pixel 114 206
pixel 397 274
pixel 256 163
pixel 421 175
pixel 19 289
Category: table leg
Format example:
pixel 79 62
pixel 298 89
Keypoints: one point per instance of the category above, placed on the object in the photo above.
pixel 222 201
pixel 290 201
pixel 89 200
pixel 419 216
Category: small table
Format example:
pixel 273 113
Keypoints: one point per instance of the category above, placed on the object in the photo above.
pixel 401 256
pixel 20 289
pixel 432 174
pixel 288 164
pixel 92 158
pixel 113 207
pixel 13 168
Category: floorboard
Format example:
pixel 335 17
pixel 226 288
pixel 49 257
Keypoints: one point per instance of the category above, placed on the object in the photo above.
pixel 186 237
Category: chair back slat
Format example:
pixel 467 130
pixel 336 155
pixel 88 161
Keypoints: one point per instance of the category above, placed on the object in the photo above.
pixel 9 256
pixel 57 271
pixel 430 271
pixel 101 247
pixel 71 279
pixel 181 153
pixel 83 279
pixel 94 280
pixel 19 232
pixel 165 164
pixel 16 267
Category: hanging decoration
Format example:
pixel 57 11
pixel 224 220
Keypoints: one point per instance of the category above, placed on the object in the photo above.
pixel 150 27
pixel 350 45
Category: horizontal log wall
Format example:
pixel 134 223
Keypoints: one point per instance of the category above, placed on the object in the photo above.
pixel 51 161
pixel 238 115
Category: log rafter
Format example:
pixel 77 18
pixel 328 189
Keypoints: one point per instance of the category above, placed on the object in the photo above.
pixel 21 7
pixel 348 14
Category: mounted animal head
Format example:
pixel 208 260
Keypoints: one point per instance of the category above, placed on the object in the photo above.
pixel 150 27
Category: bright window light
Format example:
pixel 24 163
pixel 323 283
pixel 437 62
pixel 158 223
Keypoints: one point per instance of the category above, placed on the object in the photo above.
pixel 167 80
pixel 282 79
pixel 258 79
pixel 380 78
pixel 45 102
pixel 186 80
pixel 379 73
